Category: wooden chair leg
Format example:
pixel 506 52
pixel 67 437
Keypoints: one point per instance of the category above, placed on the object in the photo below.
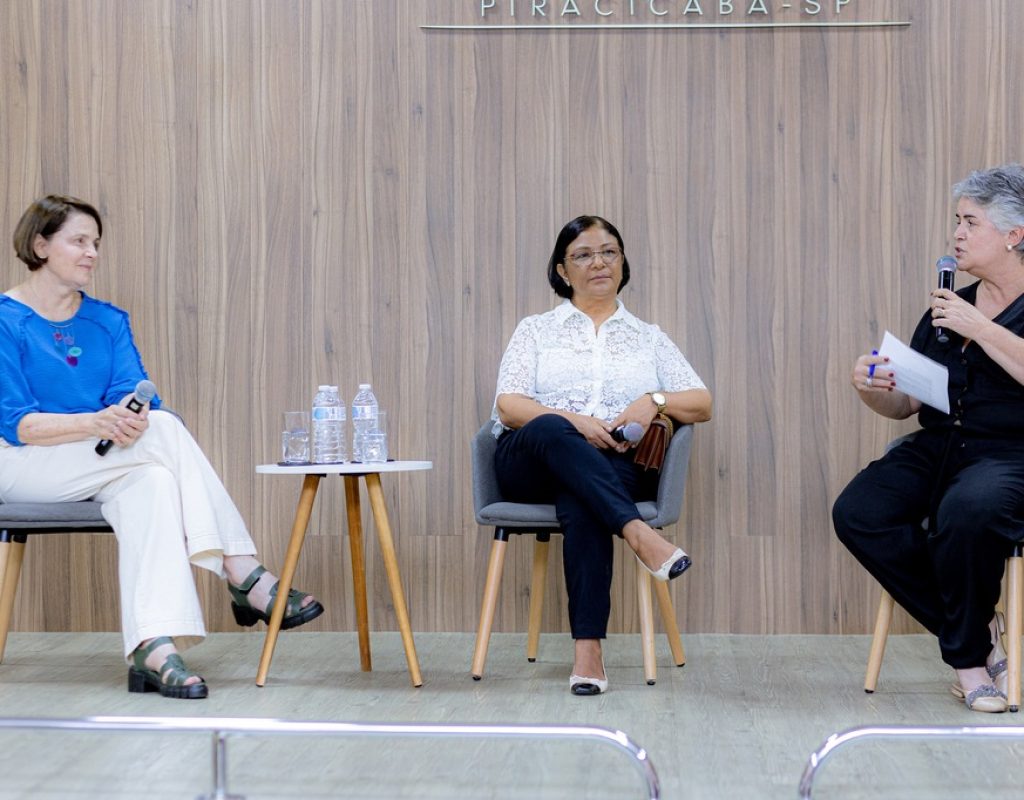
pixel 668 619
pixel 1014 613
pixel 882 622
pixel 643 589
pixel 11 555
pixel 495 564
pixel 537 586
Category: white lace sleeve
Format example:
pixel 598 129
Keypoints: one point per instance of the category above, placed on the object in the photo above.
pixel 674 372
pixel 518 371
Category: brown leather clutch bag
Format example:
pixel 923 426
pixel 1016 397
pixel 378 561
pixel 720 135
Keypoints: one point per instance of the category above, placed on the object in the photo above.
pixel 650 452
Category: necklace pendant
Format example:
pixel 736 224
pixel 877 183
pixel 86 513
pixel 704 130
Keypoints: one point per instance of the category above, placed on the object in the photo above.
pixel 64 340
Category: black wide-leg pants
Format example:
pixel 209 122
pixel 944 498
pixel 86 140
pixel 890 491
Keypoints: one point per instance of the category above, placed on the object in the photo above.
pixel 594 492
pixel 945 573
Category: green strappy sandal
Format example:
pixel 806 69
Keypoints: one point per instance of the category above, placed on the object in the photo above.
pixel 170 680
pixel 294 614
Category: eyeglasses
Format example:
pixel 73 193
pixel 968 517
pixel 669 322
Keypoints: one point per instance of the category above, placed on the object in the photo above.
pixel 584 258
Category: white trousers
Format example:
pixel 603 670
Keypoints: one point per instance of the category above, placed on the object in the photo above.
pixel 168 509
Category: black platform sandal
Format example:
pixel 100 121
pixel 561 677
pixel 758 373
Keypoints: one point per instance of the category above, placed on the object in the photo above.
pixel 170 680
pixel 294 614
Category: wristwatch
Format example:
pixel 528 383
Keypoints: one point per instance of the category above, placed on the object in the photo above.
pixel 659 401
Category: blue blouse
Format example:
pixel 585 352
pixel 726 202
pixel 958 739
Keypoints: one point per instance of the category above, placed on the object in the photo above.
pixel 81 365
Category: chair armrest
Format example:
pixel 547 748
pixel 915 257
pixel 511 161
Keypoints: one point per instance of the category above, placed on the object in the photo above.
pixel 672 485
pixel 485 481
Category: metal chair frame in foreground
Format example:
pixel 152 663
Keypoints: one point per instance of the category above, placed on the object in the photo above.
pixel 220 727
pixel 837 740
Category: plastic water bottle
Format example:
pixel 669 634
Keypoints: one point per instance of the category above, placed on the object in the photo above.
pixel 328 426
pixel 364 418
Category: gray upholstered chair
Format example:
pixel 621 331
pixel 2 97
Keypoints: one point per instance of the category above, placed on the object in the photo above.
pixel 20 520
pixel 1013 600
pixel 540 520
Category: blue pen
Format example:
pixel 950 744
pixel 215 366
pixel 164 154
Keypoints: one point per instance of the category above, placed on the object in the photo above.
pixel 871 369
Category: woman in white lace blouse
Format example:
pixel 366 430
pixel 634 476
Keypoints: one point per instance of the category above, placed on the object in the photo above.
pixel 568 379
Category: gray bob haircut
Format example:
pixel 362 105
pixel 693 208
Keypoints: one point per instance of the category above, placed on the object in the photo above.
pixel 1000 191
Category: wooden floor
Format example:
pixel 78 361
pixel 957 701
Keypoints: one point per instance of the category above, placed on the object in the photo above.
pixel 737 722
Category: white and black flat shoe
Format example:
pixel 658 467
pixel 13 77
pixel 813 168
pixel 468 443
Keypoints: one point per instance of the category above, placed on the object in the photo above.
pixel 580 685
pixel 674 566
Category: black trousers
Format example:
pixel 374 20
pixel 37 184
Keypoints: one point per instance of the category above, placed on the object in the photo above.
pixel 594 493
pixel 946 573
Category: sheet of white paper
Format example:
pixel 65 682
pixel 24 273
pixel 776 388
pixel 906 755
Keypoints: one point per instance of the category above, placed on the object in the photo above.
pixel 917 375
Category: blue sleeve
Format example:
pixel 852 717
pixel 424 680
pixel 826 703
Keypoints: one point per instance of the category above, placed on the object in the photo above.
pixel 126 369
pixel 16 399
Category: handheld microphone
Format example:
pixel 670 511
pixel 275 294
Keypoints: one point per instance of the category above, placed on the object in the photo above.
pixel 630 432
pixel 144 392
pixel 947 275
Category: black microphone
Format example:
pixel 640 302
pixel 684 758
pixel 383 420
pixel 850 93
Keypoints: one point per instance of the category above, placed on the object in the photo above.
pixel 947 275
pixel 630 432
pixel 144 392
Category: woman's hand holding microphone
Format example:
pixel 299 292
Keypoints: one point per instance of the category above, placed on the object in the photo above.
pixel 600 434
pixel 119 424
pixel 952 312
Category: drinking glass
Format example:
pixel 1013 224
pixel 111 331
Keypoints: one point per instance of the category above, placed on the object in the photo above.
pixel 375 447
pixel 295 438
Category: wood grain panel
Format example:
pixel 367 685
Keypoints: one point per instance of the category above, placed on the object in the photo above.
pixel 308 191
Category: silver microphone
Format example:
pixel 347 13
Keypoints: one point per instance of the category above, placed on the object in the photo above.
pixel 630 432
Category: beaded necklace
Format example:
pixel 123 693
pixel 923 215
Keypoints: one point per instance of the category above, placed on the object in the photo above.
pixel 64 339
pixel 63 333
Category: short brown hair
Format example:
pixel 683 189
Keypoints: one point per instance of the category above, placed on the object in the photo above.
pixel 45 217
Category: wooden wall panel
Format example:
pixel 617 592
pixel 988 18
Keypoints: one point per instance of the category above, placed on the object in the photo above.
pixel 306 191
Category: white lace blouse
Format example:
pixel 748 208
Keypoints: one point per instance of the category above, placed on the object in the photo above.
pixel 557 359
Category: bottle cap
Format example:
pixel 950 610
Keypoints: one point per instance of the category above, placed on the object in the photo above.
pixel 364 386
pixel 323 388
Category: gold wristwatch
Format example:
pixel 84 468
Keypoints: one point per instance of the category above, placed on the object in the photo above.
pixel 659 401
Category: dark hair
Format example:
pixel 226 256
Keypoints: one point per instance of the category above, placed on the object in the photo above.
pixel 569 233
pixel 45 217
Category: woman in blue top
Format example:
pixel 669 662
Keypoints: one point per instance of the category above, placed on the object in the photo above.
pixel 68 367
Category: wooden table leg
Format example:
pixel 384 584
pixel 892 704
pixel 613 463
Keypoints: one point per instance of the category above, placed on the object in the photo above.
pixel 309 488
pixel 355 541
pixel 387 549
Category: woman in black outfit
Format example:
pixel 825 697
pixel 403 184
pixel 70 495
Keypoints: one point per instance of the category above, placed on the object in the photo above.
pixel 964 472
